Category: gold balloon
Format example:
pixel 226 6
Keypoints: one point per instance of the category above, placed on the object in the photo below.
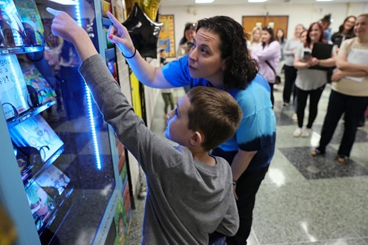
pixel 150 8
pixel 8 233
pixel 129 4
pixel 139 2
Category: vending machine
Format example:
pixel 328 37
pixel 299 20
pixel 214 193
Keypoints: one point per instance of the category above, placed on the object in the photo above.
pixel 63 173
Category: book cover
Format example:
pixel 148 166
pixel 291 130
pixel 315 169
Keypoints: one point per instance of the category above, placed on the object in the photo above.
pixel 53 177
pixel 31 20
pixel 40 203
pixel 23 164
pixel 126 199
pixel 13 89
pixel 33 77
pixel 35 132
pixel 11 25
pixel 120 223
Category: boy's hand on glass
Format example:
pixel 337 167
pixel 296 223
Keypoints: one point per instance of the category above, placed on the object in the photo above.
pixel 63 25
pixel 119 35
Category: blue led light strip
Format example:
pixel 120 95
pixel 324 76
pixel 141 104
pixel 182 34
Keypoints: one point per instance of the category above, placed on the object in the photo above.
pixel 89 102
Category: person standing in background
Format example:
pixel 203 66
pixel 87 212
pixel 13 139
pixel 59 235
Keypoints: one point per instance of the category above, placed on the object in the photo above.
pixel 310 82
pixel 255 38
pixel 303 40
pixel 53 51
pixel 290 72
pixel 346 31
pixel 52 54
pixel 326 22
pixel 189 34
pixel 166 93
pixel 268 55
pixel 184 44
pixel 349 92
pixel 303 36
pixel 280 37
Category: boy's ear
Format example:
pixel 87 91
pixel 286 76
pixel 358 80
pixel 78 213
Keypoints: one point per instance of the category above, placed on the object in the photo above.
pixel 196 139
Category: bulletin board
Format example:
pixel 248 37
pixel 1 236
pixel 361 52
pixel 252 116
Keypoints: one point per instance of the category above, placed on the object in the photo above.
pixel 166 39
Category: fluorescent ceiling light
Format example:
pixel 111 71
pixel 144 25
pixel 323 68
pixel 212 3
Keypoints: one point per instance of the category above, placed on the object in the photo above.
pixel 256 1
pixel 204 1
pixel 65 2
pixel 324 0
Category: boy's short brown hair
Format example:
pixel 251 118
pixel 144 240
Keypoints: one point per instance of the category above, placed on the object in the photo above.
pixel 214 113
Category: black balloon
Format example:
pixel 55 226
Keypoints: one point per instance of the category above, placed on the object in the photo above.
pixel 143 31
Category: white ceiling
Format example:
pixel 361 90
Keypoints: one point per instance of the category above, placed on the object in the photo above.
pixel 168 3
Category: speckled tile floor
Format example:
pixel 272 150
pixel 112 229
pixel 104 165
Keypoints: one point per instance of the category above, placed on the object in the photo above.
pixel 303 200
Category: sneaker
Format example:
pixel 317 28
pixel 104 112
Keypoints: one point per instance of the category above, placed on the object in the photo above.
pixel 317 152
pixel 306 132
pixel 298 132
pixel 295 117
pixel 342 159
pixel 286 104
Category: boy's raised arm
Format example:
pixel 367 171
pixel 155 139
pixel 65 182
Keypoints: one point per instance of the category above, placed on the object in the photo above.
pixel 117 111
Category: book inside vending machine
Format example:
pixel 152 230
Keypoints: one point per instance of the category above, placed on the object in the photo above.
pixel 59 169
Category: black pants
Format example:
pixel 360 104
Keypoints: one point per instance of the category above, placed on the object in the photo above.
pixel 353 107
pixel 290 76
pixel 246 189
pixel 301 98
pixel 272 98
pixel 168 100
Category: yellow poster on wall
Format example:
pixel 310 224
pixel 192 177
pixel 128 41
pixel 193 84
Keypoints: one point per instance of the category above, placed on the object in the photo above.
pixel 166 39
pixel 136 96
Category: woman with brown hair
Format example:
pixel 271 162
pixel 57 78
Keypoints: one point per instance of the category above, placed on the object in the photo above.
pixel 268 56
pixel 346 31
pixel 189 34
pixel 310 81
pixel 219 58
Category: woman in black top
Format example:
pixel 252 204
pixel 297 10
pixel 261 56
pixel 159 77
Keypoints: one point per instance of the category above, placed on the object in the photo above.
pixel 346 31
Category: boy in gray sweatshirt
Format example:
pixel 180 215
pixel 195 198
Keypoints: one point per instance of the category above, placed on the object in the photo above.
pixel 190 192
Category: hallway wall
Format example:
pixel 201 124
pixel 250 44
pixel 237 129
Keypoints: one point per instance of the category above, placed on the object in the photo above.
pixel 298 13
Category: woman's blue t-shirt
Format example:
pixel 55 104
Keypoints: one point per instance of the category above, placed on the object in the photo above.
pixel 257 130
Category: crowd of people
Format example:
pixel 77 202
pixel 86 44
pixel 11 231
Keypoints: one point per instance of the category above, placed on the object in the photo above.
pixel 205 188
pixel 307 72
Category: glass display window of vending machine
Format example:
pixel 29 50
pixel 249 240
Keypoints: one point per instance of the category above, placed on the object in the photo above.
pixel 57 155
